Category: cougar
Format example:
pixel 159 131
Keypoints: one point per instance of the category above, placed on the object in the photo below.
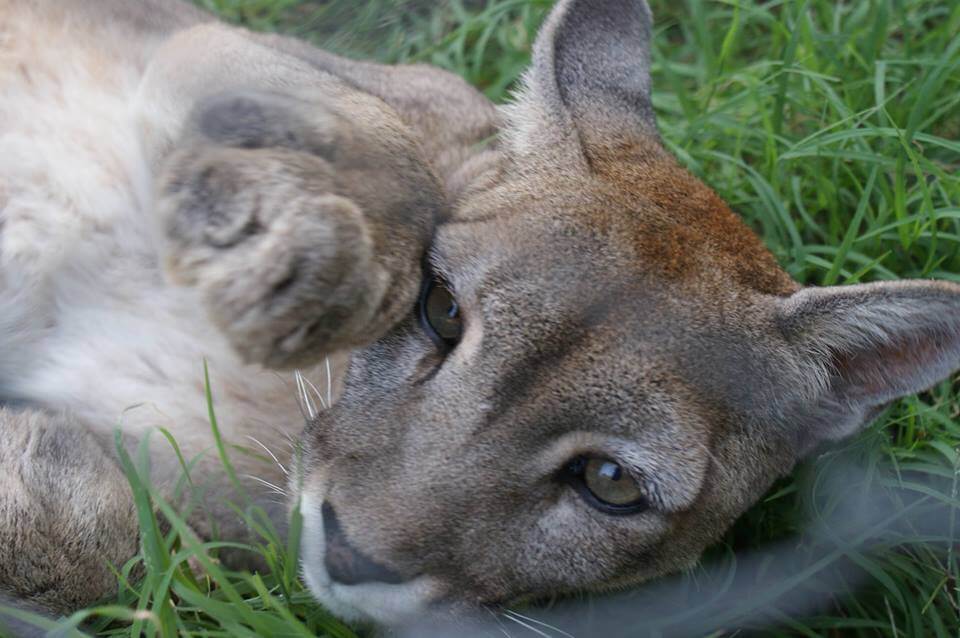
pixel 563 363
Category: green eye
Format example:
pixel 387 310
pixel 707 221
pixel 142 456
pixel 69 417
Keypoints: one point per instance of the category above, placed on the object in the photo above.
pixel 440 314
pixel 606 485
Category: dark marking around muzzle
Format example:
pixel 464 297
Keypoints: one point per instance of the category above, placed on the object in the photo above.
pixel 345 564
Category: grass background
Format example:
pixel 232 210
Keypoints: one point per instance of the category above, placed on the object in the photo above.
pixel 832 127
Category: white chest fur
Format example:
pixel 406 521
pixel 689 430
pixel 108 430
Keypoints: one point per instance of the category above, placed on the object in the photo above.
pixel 88 325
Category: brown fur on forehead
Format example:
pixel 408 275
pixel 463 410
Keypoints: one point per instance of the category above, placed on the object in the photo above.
pixel 701 220
pixel 646 210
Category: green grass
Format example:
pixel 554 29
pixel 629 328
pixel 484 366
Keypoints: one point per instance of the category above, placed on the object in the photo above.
pixel 833 129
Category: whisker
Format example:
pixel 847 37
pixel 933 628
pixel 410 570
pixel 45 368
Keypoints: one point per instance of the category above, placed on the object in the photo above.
pixel 307 408
pixel 272 455
pixel 304 411
pixel 538 622
pixel 329 381
pixel 526 625
pixel 496 618
pixel 274 488
pixel 323 403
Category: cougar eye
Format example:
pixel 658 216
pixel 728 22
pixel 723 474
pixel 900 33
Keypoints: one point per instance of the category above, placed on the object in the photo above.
pixel 440 314
pixel 605 485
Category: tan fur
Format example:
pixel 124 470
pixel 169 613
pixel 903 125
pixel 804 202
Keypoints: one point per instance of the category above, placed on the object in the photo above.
pixel 63 526
pixel 184 190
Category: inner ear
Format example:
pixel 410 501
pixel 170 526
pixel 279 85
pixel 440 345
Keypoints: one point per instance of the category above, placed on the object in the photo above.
pixel 867 345
pixel 590 80
pixel 887 370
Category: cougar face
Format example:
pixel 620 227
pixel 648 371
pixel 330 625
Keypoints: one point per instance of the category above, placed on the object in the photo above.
pixel 458 470
pixel 605 367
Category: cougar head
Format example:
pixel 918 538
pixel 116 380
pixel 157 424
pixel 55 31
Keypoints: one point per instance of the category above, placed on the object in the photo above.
pixel 605 368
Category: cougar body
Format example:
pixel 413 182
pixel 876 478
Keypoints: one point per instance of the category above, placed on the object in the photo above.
pixel 174 190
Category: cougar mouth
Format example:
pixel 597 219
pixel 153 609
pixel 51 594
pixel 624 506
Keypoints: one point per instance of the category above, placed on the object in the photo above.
pixel 360 589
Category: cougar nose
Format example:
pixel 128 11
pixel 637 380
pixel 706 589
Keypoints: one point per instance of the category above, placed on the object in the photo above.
pixel 346 565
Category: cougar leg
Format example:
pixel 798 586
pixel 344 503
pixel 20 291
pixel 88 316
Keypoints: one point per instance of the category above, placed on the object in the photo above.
pixel 66 513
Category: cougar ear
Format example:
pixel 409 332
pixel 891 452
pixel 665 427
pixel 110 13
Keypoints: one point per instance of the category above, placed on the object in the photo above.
pixel 870 344
pixel 589 86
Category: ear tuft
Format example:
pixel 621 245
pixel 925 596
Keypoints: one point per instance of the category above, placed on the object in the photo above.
pixel 590 80
pixel 872 344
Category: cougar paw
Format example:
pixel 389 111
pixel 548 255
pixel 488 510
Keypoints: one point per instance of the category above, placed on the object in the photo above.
pixel 284 266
